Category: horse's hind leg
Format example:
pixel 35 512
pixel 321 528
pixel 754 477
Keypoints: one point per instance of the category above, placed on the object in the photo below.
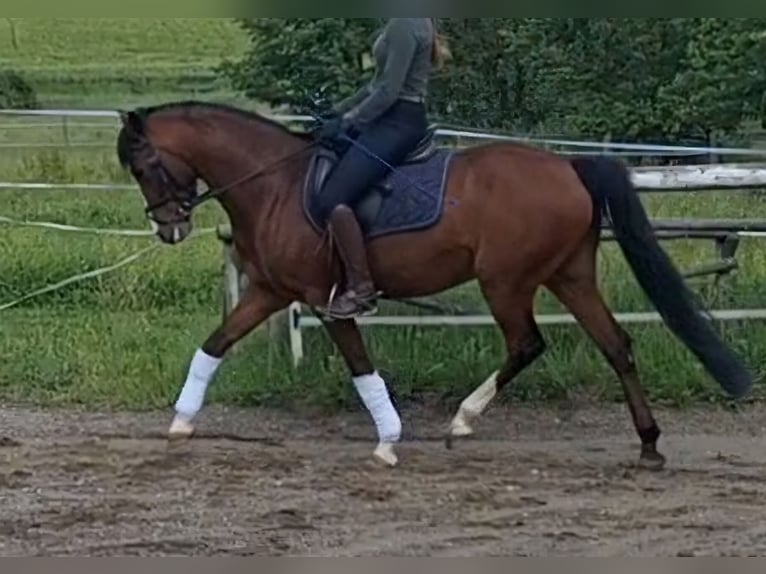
pixel 514 314
pixel 575 286
pixel 370 386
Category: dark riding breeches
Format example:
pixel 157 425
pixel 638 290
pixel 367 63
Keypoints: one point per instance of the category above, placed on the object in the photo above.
pixel 391 137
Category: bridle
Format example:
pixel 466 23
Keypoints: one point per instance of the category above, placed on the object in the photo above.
pixel 186 197
pixel 190 199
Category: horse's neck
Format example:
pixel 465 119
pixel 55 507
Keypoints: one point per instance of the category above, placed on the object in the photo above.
pixel 247 158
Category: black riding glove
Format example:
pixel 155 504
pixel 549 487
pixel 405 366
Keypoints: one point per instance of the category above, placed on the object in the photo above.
pixel 333 128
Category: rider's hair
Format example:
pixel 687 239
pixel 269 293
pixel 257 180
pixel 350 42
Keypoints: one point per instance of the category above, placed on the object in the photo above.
pixel 441 52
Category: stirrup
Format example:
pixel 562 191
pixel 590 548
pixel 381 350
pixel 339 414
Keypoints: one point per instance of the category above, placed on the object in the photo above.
pixel 364 308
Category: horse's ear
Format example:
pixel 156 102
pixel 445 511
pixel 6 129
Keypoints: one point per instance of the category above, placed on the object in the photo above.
pixel 132 121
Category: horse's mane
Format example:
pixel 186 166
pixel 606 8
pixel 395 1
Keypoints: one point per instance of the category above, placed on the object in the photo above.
pixel 125 139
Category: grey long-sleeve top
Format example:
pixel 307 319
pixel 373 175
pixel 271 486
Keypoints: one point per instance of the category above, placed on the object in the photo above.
pixel 402 54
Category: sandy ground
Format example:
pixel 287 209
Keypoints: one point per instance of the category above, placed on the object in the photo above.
pixel 532 483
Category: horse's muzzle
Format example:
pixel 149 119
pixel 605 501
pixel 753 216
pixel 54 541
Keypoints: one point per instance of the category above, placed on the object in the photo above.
pixel 174 233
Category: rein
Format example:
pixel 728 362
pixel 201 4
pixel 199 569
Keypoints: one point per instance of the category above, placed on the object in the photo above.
pixel 213 193
pixel 188 205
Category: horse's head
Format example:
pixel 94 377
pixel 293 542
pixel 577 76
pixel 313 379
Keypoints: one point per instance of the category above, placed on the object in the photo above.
pixel 168 185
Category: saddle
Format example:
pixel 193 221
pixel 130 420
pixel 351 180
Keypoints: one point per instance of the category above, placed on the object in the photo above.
pixel 366 209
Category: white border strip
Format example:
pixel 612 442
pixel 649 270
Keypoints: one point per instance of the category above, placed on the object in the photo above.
pixel 460 133
pixel 737 176
pixel 488 320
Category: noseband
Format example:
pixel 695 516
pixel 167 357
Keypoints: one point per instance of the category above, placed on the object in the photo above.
pixel 179 194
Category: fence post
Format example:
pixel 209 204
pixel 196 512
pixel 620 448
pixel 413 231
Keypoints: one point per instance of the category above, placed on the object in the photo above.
pixel 232 275
pixel 235 282
pixel 65 131
pixel 278 326
pixel 727 249
pixel 296 337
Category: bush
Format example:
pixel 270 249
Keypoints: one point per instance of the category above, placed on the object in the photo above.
pixel 16 92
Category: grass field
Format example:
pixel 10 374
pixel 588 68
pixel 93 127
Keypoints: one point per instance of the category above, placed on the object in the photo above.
pixel 124 340
pixel 82 62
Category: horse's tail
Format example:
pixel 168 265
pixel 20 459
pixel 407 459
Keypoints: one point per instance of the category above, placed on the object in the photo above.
pixel 609 184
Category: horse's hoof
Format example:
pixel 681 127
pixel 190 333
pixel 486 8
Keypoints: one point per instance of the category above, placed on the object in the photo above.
pixel 461 429
pixel 385 454
pixel 458 429
pixel 652 461
pixel 180 430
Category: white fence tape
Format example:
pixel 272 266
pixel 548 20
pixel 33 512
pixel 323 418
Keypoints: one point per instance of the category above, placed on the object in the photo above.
pixel 54 126
pixel 603 145
pixel 80 277
pixel 49 145
pixel 77 186
pixel 62 113
pixel 90 230
pixel 89 274
pixel 452 132
pixel 649 179
pixel 72 228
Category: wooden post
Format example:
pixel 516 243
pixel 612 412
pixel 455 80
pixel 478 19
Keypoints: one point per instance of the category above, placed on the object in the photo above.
pixel 232 283
pixel 727 246
pixel 235 283
pixel 699 177
pixel 717 268
pixel 296 337
pixel 278 326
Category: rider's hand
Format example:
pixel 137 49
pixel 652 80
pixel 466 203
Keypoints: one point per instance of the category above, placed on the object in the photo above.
pixel 333 128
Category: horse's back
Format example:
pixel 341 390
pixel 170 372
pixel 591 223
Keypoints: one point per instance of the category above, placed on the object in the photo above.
pixel 511 179
pixel 508 208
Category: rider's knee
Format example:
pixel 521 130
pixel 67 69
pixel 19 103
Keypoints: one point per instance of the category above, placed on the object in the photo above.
pixel 341 209
pixel 325 209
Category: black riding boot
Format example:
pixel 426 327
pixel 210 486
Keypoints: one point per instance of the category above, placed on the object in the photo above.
pixel 360 297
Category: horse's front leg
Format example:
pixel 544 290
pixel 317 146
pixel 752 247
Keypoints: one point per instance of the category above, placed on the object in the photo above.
pixel 256 305
pixel 370 386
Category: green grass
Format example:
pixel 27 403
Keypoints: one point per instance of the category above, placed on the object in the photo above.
pixel 86 62
pixel 92 43
pixel 124 340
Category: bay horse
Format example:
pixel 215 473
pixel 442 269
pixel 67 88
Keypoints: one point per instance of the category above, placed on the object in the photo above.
pixel 513 217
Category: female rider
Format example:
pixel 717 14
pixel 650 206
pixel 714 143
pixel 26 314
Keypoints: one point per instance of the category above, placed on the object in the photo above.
pixel 388 118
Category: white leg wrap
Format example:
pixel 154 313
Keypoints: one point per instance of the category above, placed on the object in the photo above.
pixel 201 371
pixel 478 401
pixel 474 405
pixel 372 390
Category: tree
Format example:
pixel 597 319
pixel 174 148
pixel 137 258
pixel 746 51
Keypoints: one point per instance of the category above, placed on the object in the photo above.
pixel 639 79
pixel 721 81
pixel 599 77
pixel 290 58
